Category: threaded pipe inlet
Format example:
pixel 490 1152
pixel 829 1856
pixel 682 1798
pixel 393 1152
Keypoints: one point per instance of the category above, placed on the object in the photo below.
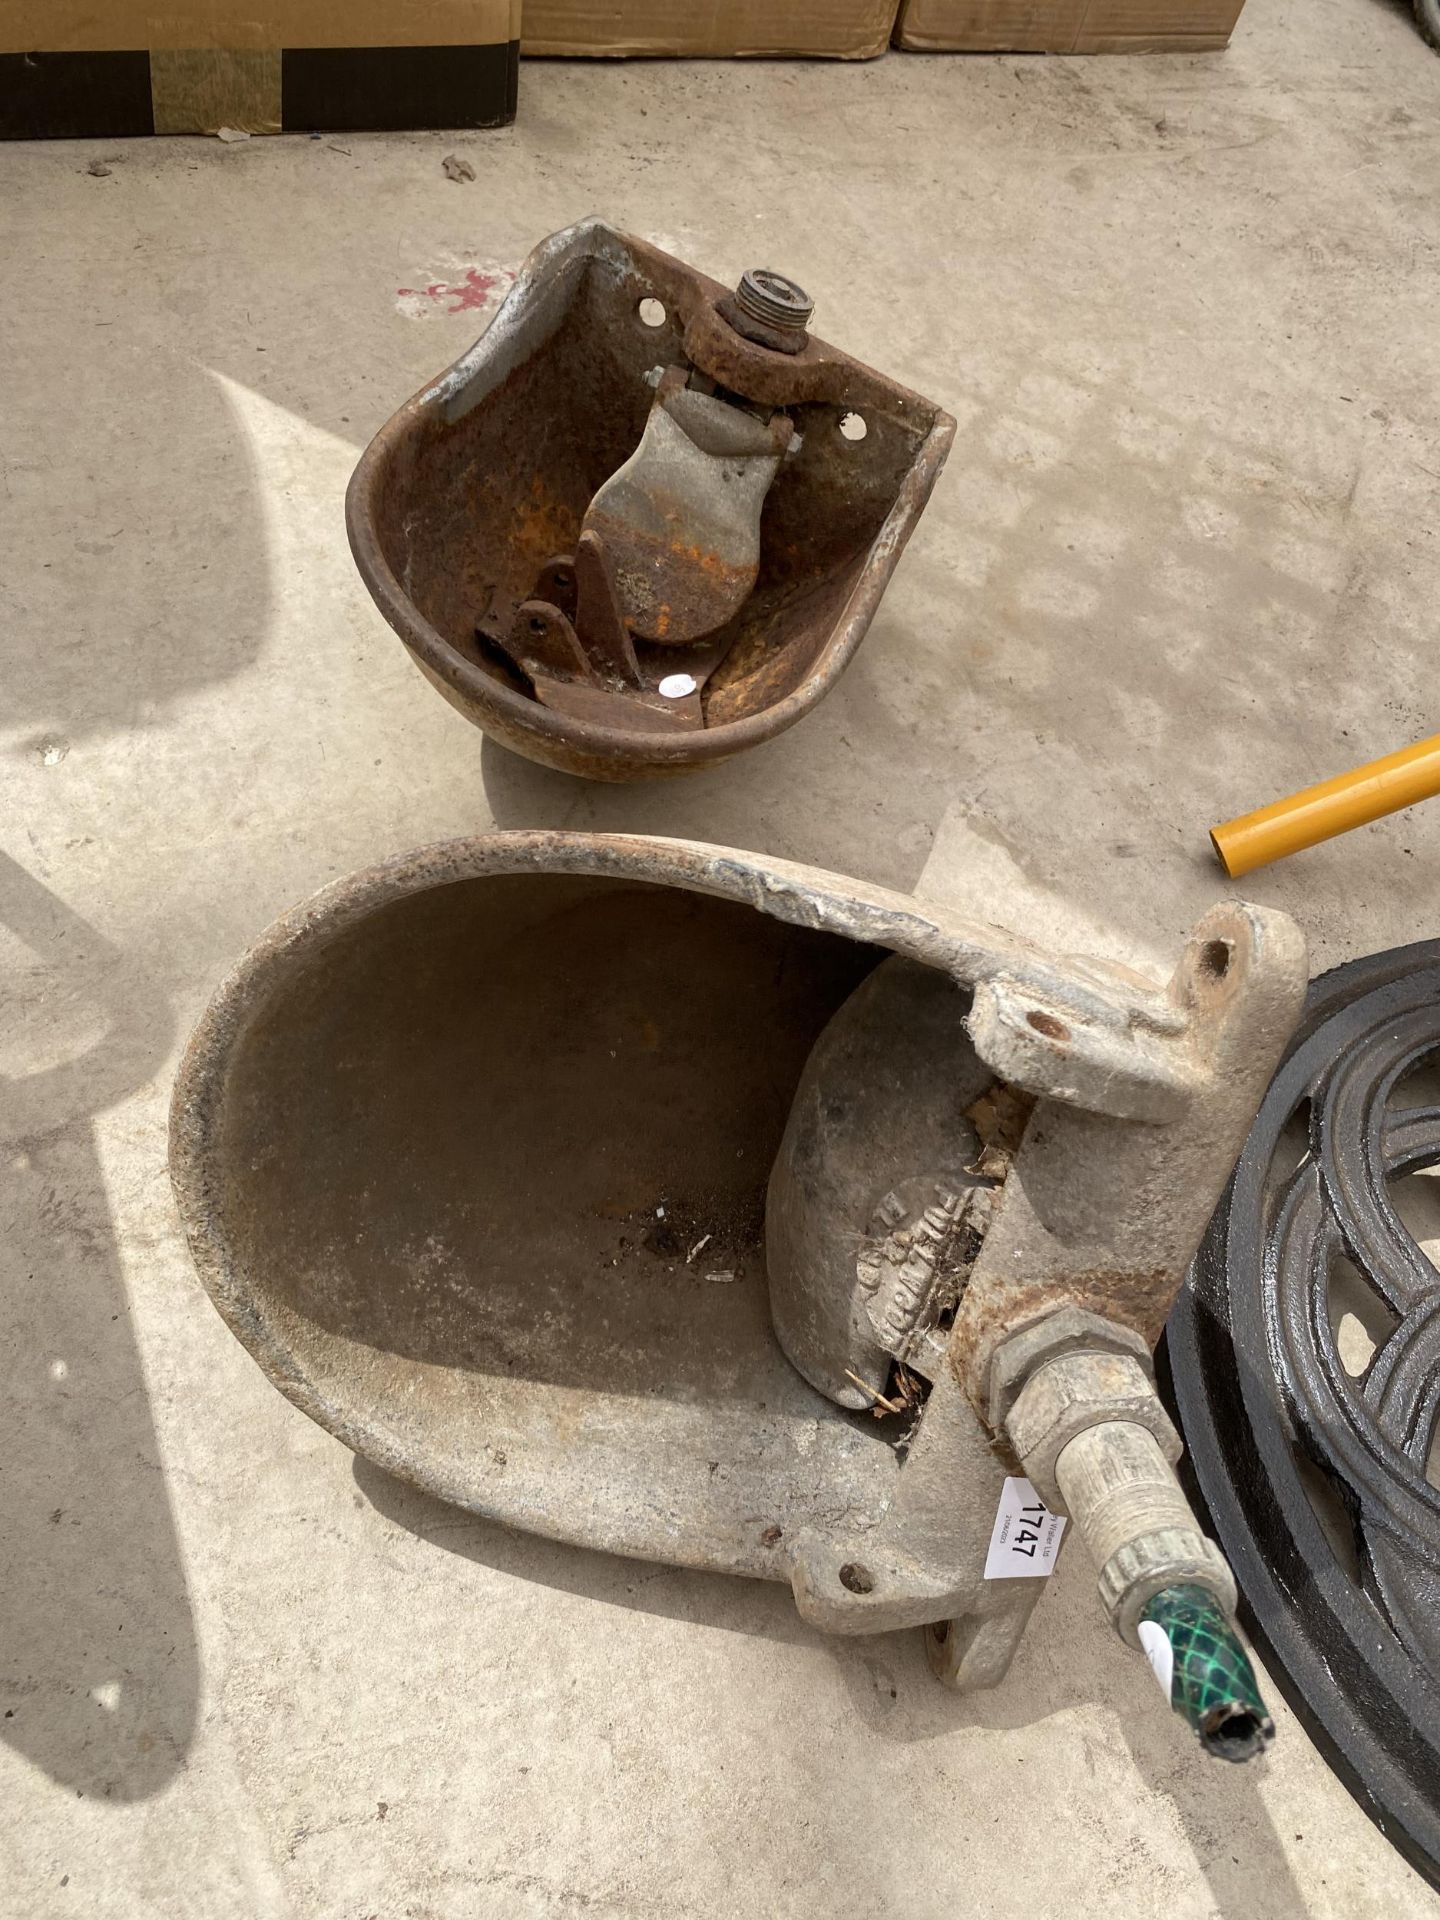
pixel 774 301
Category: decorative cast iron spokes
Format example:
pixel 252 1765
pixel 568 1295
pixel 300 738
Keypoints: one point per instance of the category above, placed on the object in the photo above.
pixel 1318 1465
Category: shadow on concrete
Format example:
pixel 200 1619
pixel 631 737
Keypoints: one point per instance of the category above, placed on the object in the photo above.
pixel 1226 1822
pixel 892 1691
pixel 99 1675
pixel 1219 1806
pixel 149 578
pixel 1402 10
pixel 670 1593
pixel 843 790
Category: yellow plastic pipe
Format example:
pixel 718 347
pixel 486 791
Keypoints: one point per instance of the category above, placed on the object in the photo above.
pixel 1335 806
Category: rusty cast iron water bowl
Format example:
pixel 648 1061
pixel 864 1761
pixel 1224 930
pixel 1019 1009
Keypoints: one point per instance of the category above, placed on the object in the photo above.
pixel 689 1204
pixel 644 523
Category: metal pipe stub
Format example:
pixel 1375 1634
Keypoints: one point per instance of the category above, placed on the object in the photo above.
pixel 774 300
pixel 1167 1589
pixel 770 309
pixel 1092 1435
pixel 1136 1522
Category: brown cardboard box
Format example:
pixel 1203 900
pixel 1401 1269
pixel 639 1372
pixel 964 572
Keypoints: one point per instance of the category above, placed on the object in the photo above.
pixel 69 68
pixel 1066 26
pixel 841 29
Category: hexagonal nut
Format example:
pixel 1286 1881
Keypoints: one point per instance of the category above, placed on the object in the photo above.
pixel 1066 1330
pixel 1077 1391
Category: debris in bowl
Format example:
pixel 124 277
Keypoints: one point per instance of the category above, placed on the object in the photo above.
pixel 715 1238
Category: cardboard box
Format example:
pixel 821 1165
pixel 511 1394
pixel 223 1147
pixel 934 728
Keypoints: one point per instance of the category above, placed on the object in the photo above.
pixel 838 29
pixel 69 69
pixel 1066 26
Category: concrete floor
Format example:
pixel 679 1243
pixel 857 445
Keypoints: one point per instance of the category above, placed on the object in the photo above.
pixel 1186 555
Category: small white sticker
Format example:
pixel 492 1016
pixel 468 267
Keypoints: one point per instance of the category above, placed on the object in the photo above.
pixel 1026 1537
pixel 1160 1654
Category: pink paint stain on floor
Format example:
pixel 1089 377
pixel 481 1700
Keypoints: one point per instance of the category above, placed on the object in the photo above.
pixel 472 293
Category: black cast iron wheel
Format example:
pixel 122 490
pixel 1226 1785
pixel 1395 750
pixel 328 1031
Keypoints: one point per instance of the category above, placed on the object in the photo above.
pixel 1305 1353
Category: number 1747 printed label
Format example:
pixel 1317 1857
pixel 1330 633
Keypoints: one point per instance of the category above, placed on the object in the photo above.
pixel 1026 1537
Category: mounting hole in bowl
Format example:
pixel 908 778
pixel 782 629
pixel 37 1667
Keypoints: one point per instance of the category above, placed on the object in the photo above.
pixel 852 426
pixel 1215 958
pixel 652 312
pixel 1047 1024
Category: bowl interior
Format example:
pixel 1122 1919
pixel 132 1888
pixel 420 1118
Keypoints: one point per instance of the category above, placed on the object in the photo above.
pixel 490 1169
pixel 467 509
